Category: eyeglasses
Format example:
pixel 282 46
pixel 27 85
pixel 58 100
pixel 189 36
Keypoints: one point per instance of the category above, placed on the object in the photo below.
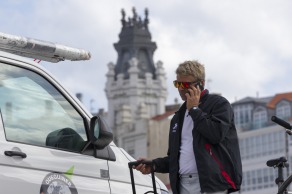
pixel 184 85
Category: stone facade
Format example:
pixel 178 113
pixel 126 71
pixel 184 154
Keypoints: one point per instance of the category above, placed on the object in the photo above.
pixel 136 86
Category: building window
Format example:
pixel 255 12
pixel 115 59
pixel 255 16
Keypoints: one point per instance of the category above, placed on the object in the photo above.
pixel 242 115
pixel 283 110
pixel 262 145
pixel 261 178
pixel 260 118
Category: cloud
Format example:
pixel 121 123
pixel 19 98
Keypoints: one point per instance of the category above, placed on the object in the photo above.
pixel 245 45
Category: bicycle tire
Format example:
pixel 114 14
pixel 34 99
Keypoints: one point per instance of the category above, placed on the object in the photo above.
pixel 285 184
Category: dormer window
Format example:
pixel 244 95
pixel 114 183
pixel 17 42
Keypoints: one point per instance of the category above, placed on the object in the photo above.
pixel 242 115
pixel 260 117
pixel 283 110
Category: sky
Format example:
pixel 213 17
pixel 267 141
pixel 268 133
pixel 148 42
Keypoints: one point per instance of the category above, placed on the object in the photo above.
pixel 245 45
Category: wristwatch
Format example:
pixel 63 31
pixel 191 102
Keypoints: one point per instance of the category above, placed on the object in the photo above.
pixel 195 107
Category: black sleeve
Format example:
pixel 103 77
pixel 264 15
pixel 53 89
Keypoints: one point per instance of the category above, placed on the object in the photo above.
pixel 215 124
pixel 161 164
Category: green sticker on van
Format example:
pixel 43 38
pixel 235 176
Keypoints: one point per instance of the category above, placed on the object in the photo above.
pixel 57 183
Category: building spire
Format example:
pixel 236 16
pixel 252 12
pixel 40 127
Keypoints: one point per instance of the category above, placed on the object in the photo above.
pixel 146 20
pixel 136 20
pixel 134 14
pixel 135 42
pixel 123 17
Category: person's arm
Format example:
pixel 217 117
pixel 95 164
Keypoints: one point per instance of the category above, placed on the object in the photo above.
pixel 143 167
pixel 214 126
pixel 159 165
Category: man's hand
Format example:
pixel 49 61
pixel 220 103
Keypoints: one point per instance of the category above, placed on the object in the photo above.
pixel 193 97
pixel 143 168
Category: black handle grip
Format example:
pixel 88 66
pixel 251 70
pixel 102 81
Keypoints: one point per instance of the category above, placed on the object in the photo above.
pixel 281 122
pixel 15 153
pixel 136 163
pixel 276 162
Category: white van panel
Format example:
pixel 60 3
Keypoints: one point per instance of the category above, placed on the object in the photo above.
pixel 40 162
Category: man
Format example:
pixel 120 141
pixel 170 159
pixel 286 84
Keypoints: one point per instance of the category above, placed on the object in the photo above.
pixel 203 154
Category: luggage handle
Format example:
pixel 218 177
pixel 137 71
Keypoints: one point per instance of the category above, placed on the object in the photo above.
pixel 136 163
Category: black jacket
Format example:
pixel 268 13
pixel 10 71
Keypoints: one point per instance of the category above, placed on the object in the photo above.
pixel 215 145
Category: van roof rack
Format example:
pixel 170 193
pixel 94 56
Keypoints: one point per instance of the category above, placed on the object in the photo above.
pixel 41 50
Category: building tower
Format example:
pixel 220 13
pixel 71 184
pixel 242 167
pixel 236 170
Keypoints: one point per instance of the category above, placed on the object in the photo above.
pixel 136 87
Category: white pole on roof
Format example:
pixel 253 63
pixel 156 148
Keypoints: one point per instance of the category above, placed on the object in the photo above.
pixel 39 49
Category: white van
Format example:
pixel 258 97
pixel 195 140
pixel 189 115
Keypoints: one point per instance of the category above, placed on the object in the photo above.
pixel 49 143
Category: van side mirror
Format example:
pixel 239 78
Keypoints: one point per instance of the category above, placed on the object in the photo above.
pixel 100 133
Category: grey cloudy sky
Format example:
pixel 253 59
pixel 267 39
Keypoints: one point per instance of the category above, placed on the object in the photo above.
pixel 246 45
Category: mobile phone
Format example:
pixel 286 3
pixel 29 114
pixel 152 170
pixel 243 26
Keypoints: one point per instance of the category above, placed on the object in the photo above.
pixel 196 85
pixel 200 86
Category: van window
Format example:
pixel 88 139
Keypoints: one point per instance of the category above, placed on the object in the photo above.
pixel 35 112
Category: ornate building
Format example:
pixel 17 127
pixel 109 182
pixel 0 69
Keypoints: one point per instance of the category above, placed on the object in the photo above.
pixel 136 86
pixel 261 140
pixel 254 113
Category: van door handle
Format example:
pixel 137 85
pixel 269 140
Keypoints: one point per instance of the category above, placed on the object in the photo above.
pixel 15 153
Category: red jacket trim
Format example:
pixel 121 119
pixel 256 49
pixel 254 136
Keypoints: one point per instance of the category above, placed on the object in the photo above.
pixel 223 172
